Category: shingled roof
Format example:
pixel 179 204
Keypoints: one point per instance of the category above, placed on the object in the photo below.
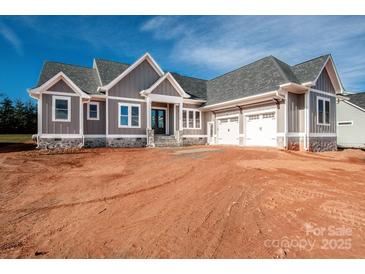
pixel 109 70
pixel 85 78
pixel 357 99
pixel 263 75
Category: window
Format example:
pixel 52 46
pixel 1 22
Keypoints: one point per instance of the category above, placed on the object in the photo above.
pixel 129 115
pixel 253 117
pixel 61 107
pixel 268 115
pixel 323 111
pixel 93 111
pixel 191 119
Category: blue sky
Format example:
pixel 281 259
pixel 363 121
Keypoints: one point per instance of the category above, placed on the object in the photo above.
pixel 200 46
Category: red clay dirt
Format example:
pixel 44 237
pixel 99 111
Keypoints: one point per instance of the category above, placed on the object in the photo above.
pixel 196 202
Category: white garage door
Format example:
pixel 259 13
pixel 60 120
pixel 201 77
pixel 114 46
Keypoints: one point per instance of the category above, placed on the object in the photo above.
pixel 228 131
pixel 261 129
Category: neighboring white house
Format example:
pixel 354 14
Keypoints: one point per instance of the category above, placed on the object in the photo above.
pixel 351 121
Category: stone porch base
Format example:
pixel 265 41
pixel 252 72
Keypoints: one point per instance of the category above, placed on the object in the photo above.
pixel 64 143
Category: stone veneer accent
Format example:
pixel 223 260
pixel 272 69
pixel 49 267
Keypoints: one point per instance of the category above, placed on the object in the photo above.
pixel 53 143
pixel 126 142
pixel 296 143
pixel 150 137
pixel 194 141
pixel 317 144
pixel 95 142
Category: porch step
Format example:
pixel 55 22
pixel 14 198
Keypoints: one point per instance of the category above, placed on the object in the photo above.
pixel 165 141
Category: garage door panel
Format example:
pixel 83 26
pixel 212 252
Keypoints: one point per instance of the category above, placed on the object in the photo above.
pixel 261 129
pixel 228 131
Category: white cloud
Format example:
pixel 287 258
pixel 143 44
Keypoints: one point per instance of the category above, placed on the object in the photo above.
pixel 10 36
pixel 221 43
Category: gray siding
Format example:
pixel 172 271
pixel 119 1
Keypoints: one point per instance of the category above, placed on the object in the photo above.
pixel 324 82
pixel 142 77
pixel 166 88
pixel 113 118
pixel 95 127
pixel 50 127
pixel 314 127
pixel 61 86
pixel 296 112
pixel 350 135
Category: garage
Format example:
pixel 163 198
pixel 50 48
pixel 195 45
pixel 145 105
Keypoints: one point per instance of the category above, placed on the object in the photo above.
pixel 228 131
pixel 260 129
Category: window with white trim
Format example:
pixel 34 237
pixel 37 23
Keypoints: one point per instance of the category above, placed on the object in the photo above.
pixel 191 119
pixel 93 111
pixel 61 109
pixel 129 115
pixel 323 111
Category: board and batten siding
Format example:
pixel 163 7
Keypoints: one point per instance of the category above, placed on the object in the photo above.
pixel 324 82
pixel 61 86
pixel 296 113
pixel 166 88
pixel 314 127
pixel 113 113
pixel 95 127
pixel 141 78
pixel 50 127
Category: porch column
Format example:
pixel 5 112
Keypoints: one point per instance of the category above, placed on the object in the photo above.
pixel 148 107
pixel 180 116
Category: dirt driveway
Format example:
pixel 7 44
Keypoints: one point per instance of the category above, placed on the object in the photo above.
pixel 201 202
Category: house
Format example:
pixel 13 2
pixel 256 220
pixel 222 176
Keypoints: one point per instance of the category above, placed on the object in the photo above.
pixel 351 121
pixel 264 103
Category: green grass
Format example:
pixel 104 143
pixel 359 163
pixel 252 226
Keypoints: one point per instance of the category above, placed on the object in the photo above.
pixel 15 138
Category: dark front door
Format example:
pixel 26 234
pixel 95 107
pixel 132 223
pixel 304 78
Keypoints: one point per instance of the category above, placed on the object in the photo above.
pixel 158 121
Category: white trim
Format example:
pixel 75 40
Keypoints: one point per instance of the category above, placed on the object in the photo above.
pixel 194 136
pixel 167 129
pixel 194 110
pixel 165 98
pixel 174 106
pixel 81 119
pixel 227 116
pixel 129 106
pixel 95 135
pixel 39 117
pixel 59 76
pixel 335 70
pixel 295 134
pixel 97 110
pixel 60 93
pixel 349 123
pixel 68 99
pixel 106 114
pixel 235 101
pixel 253 112
pixel 126 136
pixel 194 101
pixel 356 106
pixel 147 57
pixel 286 113
pixel 323 92
pixel 173 82
pixel 210 139
pixel 322 134
pixel 324 111
pixel 126 99
pixel 64 136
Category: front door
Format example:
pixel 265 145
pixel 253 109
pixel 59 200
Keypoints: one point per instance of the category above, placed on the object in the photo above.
pixel 158 120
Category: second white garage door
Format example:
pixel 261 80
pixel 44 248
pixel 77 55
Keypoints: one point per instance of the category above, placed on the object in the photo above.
pixel 260 129
pixel 228 131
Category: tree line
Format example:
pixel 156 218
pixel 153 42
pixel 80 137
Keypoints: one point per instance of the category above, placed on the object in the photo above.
pixel 17 117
